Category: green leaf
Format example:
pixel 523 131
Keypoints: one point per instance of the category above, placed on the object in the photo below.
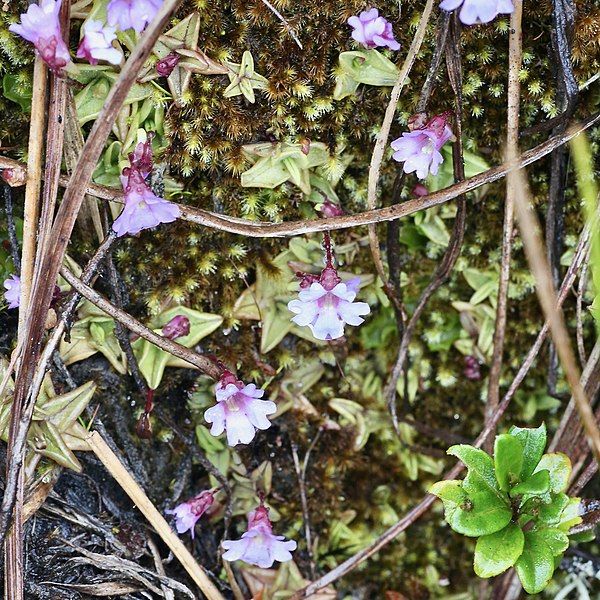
pixel 17 91
pixel 570 515
pixel 533 442
pixel 481 469
pixel 551 512
pixel 559 467
pixel 508 460
pixel 369 67
pixel 557 540
pixel 538 483
pixel 452 495
pixel 496 552
pixel 536 565
pixel 485 514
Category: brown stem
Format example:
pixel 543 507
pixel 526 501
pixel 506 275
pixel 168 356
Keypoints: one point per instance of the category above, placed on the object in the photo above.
pixel 197 360
pixel 261 229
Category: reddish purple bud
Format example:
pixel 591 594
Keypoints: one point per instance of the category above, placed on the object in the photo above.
pixel 143 427
pixel 305 146
pixel 420 190
pixel 177 327
pixel 329 278
pixel 417 121
pixel 165 66
pixel 15 177
pixel 330 209
pixel 471 370
pixel 141 158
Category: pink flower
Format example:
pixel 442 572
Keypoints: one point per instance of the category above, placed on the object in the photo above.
pixel 177 327
pixel 12 295
pixel 40 25
pixel 326 305
pixel 420 149
pixel 372 31
pixel 258 545
pixel 238 410
pixel 132 14
pixel 188 512
pixel 478 11
pixel 96 43
pixel 143 209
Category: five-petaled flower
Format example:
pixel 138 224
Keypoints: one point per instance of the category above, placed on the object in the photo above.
pixel 132 14
pixel 258 546
pixel 96 43
pixel 239 410
pixel 478 11
pixel 143 209
pixel 40 25
pixel 178 326
pixel 187 513
pixel 12 295
pixel 419 149
pixel 326 304
pixel 372 31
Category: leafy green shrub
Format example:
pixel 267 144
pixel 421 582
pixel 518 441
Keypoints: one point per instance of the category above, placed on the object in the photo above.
pixel 515 504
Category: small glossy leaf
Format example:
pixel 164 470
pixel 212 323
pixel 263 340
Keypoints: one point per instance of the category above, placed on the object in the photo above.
pixel 536 565
pixel 559 467
pixel 486 514
pixel 508 460
pixel 556 539
pixel 534 443
pixel 551 512
pixel 481 468
pixel 496 552
pixel 538 483
pixel 451 493
pixel 571 514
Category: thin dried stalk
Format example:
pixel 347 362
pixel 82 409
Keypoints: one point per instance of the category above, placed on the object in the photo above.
pixel 538 263
pixel 136 493
pixel 13 573
pixel 515 59
pixel 382 136
pixel 47 270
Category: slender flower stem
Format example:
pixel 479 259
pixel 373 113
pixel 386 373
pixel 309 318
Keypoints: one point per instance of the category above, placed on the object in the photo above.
pixel 328 252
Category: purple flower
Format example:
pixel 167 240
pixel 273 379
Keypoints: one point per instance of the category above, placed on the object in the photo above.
pixel 472 370
pixel 326 305
pixel 420 149
pixel 96 43
pixel 132 14
pixel 187 513
pixel 258 545
pixel 177 327
pixel 372 31
pixel 143 209
pixel 12 295
pixel 478 11
pixel 40 25
pixel 238 410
